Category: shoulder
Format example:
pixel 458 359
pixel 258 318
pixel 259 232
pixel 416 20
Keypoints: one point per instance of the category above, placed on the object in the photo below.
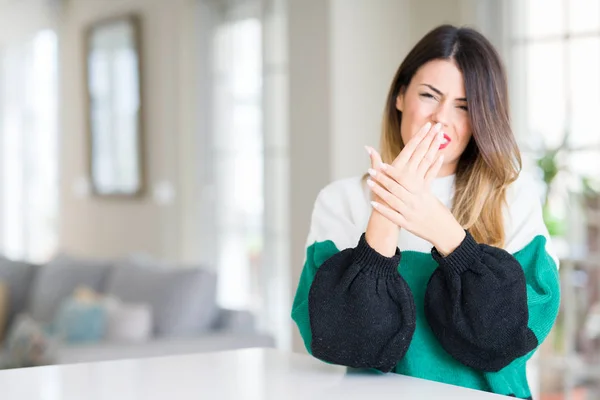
pixel 342 191
pixel 345 199
pixel 340 212
pixel 526 191
pixel 524 222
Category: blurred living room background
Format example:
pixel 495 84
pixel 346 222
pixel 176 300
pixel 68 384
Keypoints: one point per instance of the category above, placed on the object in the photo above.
pixel 159 160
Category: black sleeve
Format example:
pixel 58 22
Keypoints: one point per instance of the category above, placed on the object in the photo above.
pixel 476 305
pixel 362 313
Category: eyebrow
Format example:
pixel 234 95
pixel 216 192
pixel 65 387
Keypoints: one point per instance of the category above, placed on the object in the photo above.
pixel 440 93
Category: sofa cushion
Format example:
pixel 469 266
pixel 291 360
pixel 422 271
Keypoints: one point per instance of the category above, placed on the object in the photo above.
pixel 183 300
pixel 57 281
pixel 18 277
pixel 235 321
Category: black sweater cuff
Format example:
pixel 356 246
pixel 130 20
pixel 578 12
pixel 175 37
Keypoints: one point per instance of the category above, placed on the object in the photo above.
pixel 361 311
pixel 465 255
pixel 373 262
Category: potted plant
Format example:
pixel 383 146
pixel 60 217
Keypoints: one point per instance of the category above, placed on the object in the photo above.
pixel 550 164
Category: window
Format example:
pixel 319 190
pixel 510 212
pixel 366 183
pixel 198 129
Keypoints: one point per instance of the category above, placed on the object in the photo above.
pixel 554 72
pixel 245 160
pixel 238 155
pixel 555 53
pixel 29 148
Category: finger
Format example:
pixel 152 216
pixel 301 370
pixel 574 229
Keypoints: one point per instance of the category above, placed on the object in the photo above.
pixel 374 156
pixel 391 171
pixel 391 185
pixel 431 155
pixel 390 214
pixel 392 201
pixel 412 144
pixel 434 170
pixel 422 148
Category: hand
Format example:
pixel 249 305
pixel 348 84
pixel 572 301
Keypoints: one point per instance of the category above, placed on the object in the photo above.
pixel 420 213
pixel 404 188
pixel 381 234
pixel 415 161
pixel 376 163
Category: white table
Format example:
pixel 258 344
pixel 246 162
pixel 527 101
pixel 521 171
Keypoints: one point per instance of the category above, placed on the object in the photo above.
pixel 249 374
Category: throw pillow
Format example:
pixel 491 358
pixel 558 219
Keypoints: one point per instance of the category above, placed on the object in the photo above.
pixel 28 345
pixel 82 317
pixel 129 322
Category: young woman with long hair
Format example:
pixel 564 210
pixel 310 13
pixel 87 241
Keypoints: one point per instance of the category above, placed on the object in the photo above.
pixel 437 263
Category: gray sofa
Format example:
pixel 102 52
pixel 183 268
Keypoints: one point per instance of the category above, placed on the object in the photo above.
pixel 186 317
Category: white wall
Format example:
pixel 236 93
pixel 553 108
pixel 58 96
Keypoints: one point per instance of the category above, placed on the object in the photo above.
pixel 309 121
pixel 108 227
pixel 426 14
pixel 368 42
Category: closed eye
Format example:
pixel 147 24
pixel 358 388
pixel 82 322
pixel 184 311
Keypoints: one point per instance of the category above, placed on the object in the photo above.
pixel 427 95
pixel 464 108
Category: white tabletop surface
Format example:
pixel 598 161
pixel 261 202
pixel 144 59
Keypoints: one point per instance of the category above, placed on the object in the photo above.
pixel 249 374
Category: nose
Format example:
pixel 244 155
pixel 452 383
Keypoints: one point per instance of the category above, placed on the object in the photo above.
pixel 442 114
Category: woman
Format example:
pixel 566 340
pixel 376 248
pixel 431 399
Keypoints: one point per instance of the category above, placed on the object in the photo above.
pixel 438 266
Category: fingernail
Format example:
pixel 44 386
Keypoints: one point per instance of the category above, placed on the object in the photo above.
pixel 427 127
pixel 372 172
pixel 441 135
pixel 375 204
pixel 370 183
pixel 368 149
pixel 437 126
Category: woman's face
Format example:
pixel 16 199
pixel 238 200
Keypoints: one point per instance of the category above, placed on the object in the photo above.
pixel 435 94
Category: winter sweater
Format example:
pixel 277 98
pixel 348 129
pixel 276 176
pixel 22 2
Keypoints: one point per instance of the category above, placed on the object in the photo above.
pixel 472 318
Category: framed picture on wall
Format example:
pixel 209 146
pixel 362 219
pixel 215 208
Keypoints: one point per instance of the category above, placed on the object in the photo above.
pixel 114 107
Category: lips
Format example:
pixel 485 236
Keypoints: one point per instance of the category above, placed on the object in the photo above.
pixel 446 142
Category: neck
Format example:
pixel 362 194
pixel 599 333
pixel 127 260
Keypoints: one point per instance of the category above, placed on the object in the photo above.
pixel 447 170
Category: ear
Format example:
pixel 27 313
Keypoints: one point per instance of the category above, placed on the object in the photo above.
pixel 400 99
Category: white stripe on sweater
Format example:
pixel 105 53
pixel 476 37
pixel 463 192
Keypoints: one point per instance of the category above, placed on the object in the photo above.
pixel 342 209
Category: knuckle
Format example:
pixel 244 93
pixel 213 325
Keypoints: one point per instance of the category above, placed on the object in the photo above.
pixel 382 179
pixel 430 158
pixel 389 181
pixel 395 175
pixel 385 194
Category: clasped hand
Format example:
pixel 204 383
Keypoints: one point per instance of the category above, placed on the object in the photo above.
pixel 403 190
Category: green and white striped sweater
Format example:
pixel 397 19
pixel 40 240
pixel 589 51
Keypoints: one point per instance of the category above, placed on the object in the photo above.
pixel 473 319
